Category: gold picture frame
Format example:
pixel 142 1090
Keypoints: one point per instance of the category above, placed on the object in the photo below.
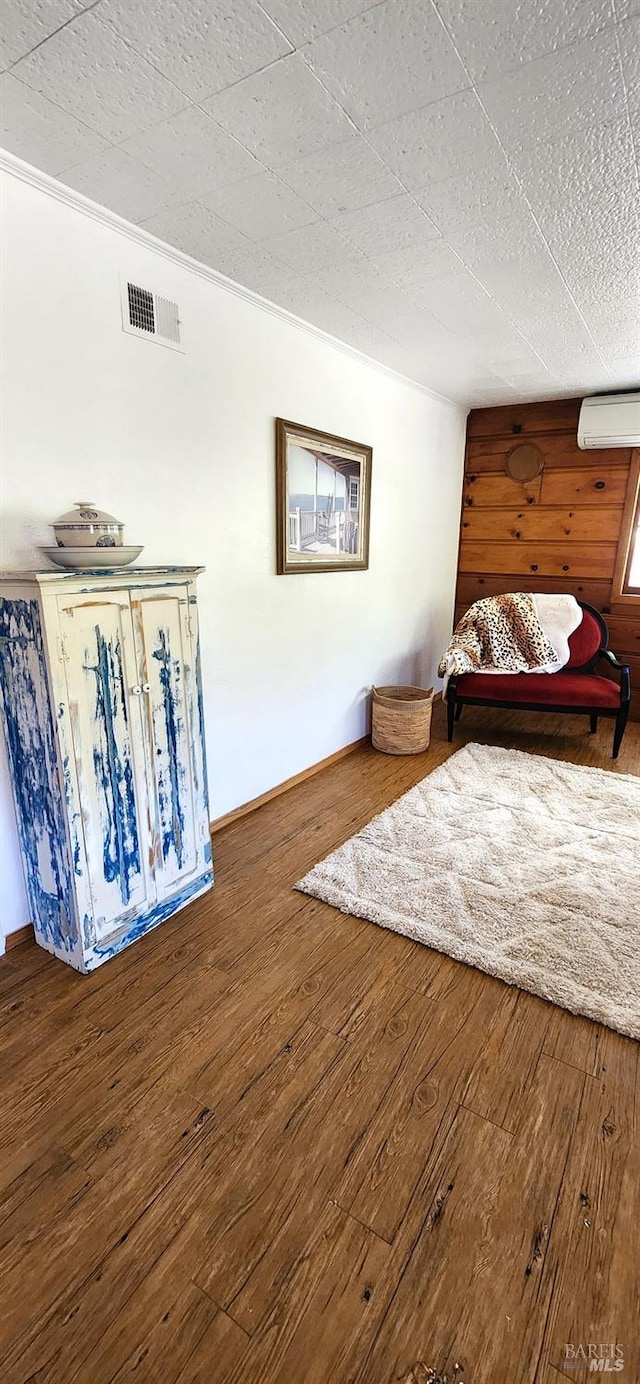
pixel 323 501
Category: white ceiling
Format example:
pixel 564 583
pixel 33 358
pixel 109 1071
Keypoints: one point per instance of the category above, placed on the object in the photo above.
pixel 450 186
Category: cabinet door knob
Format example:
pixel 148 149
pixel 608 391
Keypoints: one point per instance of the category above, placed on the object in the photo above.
pixel 136 690
pixel 146 687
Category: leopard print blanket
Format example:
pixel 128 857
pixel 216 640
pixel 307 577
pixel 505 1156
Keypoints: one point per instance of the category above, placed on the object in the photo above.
pixel 499 634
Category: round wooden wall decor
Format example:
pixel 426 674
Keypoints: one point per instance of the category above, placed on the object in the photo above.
pixel 524 462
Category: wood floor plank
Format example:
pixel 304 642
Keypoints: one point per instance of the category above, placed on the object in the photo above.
pixel 217 1354
pixel 60 1252
pixel 255 1121
pixel 445 1265
pixel 328 1292
pixel 153 1337
pixel 29 1181
pixel 594 1267
pixel 19 967
pixel 228 1071
pixel 52 1345
pixel 49 1204
pixel 418 1109
pixel 345 1007
pixel 500 1080
pixel 577 1041
pixel 504 1330
pixel 252 1217
pixel 495 1262
pixel 62 1323
pixel 102 1067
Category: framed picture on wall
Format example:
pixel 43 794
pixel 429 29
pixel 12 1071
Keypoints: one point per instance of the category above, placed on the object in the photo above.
pixel 323 494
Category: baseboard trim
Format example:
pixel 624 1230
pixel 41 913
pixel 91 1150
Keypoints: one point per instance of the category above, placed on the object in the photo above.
pixel 21 934
pixel 254 803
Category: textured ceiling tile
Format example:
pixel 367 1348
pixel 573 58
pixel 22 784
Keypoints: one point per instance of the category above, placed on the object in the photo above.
pixel 600 249
pixel 342 178
pixel 577 87
pixel 625 373
pixel 368 338
pixel 523 362
pixel 417 331
pixel 483 397
pixel 363 289
pixel 393 59
pixel 570 353
pixel 483 212
pixel 25 23
pixel 310 247
pixel 121 183
pixel 473 316
pixel 419 264
pixel 581 172
pixel 609 293
pixel 529 287
pixel 261 207
pixel 458 301
pixel 386 226
pixel 424 364
pixel 203 46
pixel 40 132
pixel 281 114
pixel 589 379
pixel 90 72
pixel 521 240
pixel 309 301
pixel 194 151
pixel 247 264
pixel 302 20
pixel 612 322
pixel 481 195
pixel 195 230
pixel 273 280
pixel 630 53
pixel 533 379
pixel 496 35
pixel 449 138
pixel 585 194
pixel 613 349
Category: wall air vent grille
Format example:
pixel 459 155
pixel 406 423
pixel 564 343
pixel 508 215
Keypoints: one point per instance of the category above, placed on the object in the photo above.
pixel 141 312
pixel 148 314
pixel 168 322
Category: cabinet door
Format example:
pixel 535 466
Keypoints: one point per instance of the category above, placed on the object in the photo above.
pixel 165 656
pixel 105 723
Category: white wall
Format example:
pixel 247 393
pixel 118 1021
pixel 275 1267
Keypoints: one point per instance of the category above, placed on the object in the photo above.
pixel 180 447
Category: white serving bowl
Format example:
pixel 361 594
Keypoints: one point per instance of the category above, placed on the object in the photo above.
pixel 90 559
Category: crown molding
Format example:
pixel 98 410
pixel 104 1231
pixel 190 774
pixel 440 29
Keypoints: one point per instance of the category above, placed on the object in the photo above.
pixel 26 173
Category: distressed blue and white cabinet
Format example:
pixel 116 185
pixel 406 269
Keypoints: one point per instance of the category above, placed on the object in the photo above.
pixel 102 700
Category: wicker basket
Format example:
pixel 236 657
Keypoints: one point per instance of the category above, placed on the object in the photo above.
pixel 401 721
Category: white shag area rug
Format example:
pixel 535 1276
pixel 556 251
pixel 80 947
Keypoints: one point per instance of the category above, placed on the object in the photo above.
pixel 526 867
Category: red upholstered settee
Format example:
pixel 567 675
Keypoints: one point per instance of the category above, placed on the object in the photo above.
pixel 577 688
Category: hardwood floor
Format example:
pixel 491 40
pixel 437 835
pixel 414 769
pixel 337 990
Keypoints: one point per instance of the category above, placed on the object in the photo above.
pixel 272 1142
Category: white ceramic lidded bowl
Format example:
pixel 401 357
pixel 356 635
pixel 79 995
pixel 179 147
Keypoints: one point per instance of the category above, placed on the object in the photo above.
pixel 84 526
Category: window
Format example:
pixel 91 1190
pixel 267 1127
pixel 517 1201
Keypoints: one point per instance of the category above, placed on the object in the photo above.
pixel 626 582
pixel 353 493
pixel 633 580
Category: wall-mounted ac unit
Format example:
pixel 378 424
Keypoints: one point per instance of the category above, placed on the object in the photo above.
pixel 148 314
pixel 610 420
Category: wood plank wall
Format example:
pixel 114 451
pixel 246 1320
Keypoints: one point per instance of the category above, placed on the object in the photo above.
pixel 559 532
